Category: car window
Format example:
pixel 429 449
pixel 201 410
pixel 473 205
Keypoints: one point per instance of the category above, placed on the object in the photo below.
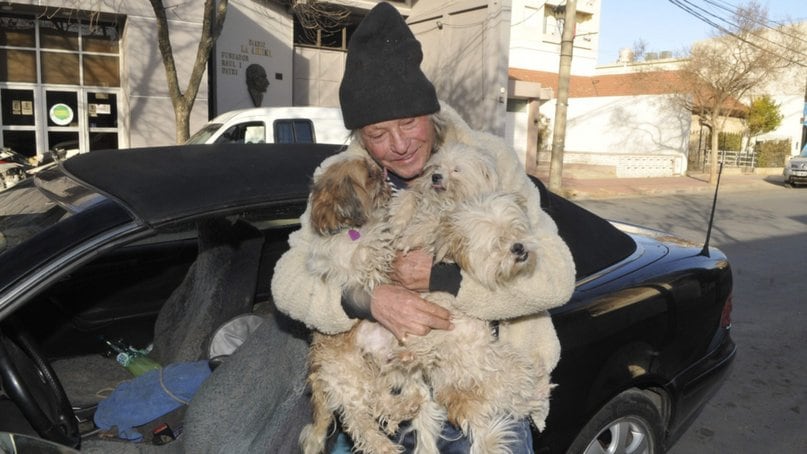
pixel 250 132
pixel 297 130
pixel 203 134
pixel 255 133
pixel 24 212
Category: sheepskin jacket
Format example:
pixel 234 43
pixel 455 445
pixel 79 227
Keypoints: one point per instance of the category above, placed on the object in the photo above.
pixel 520 307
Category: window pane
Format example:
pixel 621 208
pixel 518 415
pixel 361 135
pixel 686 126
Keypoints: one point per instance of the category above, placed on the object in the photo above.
pixel 23 142
pixel 103 141
pixel 59 68
pixel 102 110
pixel 58 34
pixel 303 131
pixel 17 65
pixel 62 144
pixel 18 107
pixel 101 71
pixel 284 132
pixel 331 39
pixel 62 108
pixel 100 38
pixel 255 133
pixel 16 31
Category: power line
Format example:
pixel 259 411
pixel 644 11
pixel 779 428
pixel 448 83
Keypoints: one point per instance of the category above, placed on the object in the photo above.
pixel 711 19
pixel 779 27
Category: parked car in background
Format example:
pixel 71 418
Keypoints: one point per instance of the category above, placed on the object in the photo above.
pixel 106 243
pixel 11 173
pixel 795 170
pixel 15 167
pixel 274 125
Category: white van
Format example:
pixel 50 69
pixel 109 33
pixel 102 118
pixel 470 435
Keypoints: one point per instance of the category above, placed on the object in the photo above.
pixel 275 125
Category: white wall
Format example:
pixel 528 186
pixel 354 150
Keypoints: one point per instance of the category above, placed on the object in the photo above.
pixel 606 130
pixel 515 133
pixel 147 102
pixel 535 39
pixel 465 55
pixel 792 109
pixel 254 34
pixel 787 88
pixel 317 75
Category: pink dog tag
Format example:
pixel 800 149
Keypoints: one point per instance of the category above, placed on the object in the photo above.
pixel 353 234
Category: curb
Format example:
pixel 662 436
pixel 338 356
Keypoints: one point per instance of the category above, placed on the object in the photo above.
pixel 611 188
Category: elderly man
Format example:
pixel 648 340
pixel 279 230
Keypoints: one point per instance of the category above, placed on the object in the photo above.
pixel 397 119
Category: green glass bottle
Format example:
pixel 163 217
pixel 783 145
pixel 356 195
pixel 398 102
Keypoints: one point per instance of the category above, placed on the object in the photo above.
pixel 134 360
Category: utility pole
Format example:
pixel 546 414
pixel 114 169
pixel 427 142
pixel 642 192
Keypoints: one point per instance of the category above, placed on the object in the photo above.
pixel 562 103
pixel 804 120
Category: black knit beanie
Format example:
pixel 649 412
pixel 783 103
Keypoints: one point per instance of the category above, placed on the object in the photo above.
pixel 383 80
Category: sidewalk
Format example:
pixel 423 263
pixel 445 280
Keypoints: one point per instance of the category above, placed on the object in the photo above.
pixel 580 183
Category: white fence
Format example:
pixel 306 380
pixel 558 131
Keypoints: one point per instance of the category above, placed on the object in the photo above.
pixel 743 159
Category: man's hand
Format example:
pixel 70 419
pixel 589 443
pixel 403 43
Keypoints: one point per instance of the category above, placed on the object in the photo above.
pixel 413 270
pixel 404 312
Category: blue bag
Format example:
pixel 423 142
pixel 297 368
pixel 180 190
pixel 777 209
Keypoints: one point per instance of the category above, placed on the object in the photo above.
pixel 149 396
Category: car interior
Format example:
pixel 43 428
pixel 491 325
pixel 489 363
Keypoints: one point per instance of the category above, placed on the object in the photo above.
pixel 172 291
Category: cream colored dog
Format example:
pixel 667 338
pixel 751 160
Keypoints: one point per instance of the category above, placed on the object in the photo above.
pixel 463 375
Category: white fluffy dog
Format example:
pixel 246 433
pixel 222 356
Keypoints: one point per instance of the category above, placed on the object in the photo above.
pixel 463 375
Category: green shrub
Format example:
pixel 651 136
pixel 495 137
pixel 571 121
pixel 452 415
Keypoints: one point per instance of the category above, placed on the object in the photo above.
pixel 730 141
pixel 772 153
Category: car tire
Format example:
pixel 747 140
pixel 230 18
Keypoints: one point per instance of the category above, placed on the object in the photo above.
pixel 630 423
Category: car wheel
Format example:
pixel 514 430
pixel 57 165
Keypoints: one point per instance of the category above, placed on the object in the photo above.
pixel 30 382
pixel 628 424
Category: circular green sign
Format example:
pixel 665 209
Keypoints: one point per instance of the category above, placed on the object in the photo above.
pixel 61 114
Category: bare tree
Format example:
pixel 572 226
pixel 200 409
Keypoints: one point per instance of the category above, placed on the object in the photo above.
pixel 212 23
pixel 639 49
pixel 723 71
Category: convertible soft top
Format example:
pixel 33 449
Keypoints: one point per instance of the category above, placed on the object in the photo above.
pixel 167 183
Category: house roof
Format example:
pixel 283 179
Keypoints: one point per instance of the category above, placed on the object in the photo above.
pixel 628 84
pixel 632 84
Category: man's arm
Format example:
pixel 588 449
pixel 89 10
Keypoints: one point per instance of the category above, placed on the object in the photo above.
pixel 303 296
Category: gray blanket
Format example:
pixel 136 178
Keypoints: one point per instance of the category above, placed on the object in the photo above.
pixel 256 400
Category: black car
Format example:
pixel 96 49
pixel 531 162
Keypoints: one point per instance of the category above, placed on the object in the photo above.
pixel 111 244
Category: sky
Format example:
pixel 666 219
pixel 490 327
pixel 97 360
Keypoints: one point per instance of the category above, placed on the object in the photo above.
pixel 664 26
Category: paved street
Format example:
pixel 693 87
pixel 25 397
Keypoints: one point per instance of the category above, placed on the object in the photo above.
pixel 762 407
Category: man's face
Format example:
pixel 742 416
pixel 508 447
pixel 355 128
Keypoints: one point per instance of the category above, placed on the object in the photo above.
pixel 260 82
pixel 401 146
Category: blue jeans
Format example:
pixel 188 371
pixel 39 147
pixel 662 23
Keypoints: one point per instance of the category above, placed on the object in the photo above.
pixel 451 441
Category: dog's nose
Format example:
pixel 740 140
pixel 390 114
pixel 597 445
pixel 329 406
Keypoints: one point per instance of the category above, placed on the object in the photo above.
pixel 437 178
pixel 520 252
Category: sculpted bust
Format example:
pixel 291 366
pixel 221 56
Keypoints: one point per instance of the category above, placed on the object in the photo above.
pixel 257 83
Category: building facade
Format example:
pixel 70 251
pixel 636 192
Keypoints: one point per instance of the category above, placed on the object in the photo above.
pixel 89 74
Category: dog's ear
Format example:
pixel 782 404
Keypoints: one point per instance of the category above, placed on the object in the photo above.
pixel 322 216
pixel 336 200
pixel 521 201
pixel 487 168
pixel 377 190
pixel 450 244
